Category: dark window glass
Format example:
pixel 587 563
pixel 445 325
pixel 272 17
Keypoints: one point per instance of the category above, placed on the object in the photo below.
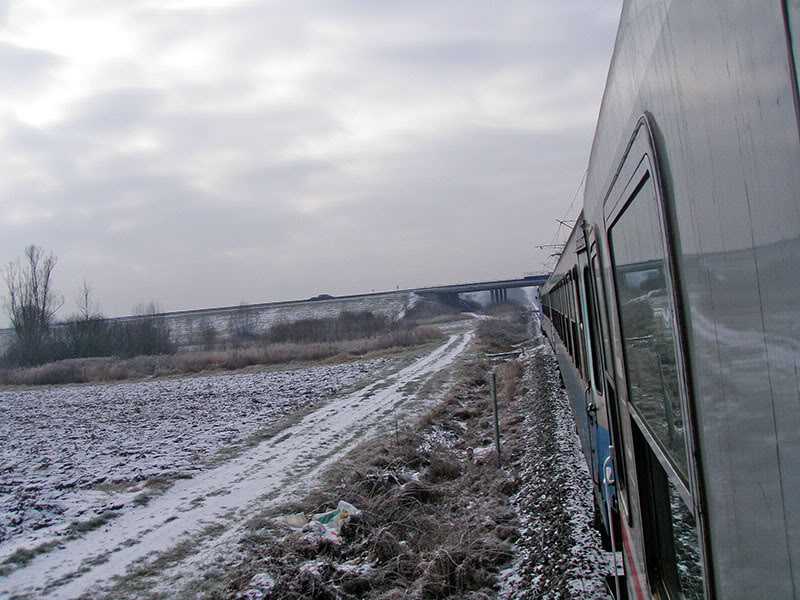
pixel 646 319
pixel 594 348
pixel 686 545
pixel 601 307
pixel 576 342
pixel 674 561
pixel 581 297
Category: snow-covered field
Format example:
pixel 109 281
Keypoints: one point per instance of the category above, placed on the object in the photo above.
pixel 62 449
pixel 135 460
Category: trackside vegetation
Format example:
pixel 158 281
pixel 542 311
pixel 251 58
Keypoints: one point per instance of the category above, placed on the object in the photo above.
pixel 435 518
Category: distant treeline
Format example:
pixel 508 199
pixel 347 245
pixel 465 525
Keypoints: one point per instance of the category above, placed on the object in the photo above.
pixel 150 334
pixel 95 337
pixel 350 334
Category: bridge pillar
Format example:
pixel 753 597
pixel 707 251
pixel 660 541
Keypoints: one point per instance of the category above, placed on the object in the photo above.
pixel 499 295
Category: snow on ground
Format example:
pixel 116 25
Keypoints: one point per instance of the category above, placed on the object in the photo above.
pixel 559 553
pixel 80 435
pixel 62 448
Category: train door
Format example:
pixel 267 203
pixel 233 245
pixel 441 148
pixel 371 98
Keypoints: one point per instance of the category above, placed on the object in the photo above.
pixel 652 379
pixel 605 387
pixel 590 395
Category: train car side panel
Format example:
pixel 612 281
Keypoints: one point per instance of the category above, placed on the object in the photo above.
pixel 716 80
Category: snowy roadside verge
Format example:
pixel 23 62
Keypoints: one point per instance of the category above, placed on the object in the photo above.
pixel 183 529
pixel 434 519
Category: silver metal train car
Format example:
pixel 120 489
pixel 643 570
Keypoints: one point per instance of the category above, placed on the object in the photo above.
pixel 674 308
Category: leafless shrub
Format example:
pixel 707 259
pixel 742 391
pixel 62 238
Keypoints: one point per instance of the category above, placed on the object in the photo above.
pixel 509 311
pixel 384 546
pixel 31 304
pixel 206 334
pixel 429 311
pixel 346 326
pixel 464 564
pixel 49 374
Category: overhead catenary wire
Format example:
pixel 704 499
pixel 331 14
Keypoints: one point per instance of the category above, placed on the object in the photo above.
pixel 563 222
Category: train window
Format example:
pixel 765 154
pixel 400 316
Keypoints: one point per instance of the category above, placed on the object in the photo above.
pixel 674 560
pixel 577 340
pixel 579 310
pixel 646 321
pixel 567 338
pixel 620 464
pixel 594 348
pixel 601 308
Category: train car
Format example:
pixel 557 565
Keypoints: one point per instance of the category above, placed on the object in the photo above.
pixel 675 305
pixel 568 315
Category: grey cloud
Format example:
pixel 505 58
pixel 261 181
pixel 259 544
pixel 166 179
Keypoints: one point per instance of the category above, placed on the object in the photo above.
pixel 444 211
pixel 265 128
pixel 49 156
pixel 466 177
pixel 113 110
pixel 282 181
pixel 23 67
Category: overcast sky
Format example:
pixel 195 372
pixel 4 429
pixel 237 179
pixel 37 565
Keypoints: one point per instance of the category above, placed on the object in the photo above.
pixel 205 152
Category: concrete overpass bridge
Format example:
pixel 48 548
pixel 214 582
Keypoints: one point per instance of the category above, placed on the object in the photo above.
pixel 498 288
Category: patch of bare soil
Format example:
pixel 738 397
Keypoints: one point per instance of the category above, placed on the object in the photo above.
pixel 438 518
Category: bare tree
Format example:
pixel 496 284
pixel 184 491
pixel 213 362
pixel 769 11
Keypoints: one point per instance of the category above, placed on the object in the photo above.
pixel 88 309
pixel 32 302
pixel 148 333
pixel 207 334
pixel 242 323
pixel 85 333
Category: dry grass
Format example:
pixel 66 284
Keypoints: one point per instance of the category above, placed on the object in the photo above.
pixel 501 335
pixel 77 529
pixel 24 556
pixel 435 521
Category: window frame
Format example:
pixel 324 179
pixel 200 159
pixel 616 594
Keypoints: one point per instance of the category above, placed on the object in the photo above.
pixel 640 154
pixel 643 176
